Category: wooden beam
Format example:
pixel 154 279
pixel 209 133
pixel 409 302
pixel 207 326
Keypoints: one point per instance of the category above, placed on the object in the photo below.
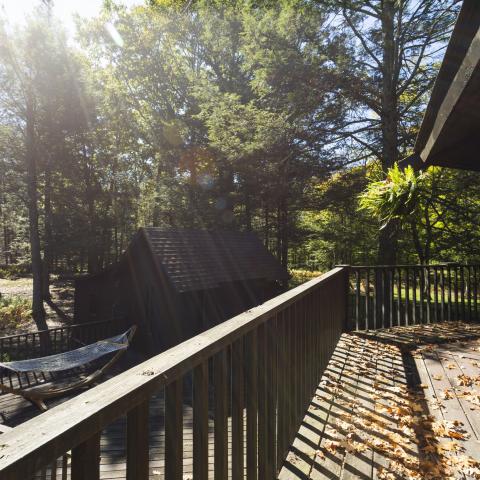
pixel 457 87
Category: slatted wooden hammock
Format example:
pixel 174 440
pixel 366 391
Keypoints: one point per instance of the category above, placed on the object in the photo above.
pixel 38 379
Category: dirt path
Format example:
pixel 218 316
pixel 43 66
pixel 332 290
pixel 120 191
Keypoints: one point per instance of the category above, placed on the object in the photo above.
pixel 62 295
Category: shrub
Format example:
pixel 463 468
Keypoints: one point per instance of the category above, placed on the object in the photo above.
pixel 14 312
pixel 12 272
pixel 301 276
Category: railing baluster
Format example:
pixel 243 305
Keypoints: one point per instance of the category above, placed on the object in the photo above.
pixel 457 306
pixel 384 296
pixel 86 459
pixel 252 403
pixel 271 397
pixel 137 442
pixel 367 299
pixel 375 298
pixel 421 280
pixel 220 416
pixel 357 299
pixel 291 371
pixel 64 467
pixel 53 470
pixel 262 401
pixel 200 421
pixel 174 430
pixel 442 290
pixel 391 280
pixel 428 290
pixel 399 296
pixel 407 296
pixel 238 396
pixel 450 296
pixel 462 291
pixel 469 292
pixel 414 296
pixel 435 289
pixel 475 292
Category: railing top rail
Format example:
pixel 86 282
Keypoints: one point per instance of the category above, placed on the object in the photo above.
pixel 62 327
pixel 431 265
pixel 49 435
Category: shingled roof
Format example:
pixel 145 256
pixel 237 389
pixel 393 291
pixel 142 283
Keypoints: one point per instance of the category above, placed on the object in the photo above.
pixel 199 259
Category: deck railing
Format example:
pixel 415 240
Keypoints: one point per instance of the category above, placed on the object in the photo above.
pixel 387 296
pixel 62 339
pixel 272 356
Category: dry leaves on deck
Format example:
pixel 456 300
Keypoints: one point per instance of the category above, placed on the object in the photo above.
pixel 393 423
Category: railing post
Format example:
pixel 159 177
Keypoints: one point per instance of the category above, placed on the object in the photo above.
pixel 346 289
pixel 238 397
pixel 200 421
pixel 252 404
pixel 220 416
pixel 137 442
pixel 174 430
pixel 86 459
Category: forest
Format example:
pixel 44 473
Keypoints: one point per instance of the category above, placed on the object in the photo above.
pixel 287 118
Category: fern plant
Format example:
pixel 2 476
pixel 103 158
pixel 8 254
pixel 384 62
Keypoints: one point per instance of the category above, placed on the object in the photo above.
pixel 397 196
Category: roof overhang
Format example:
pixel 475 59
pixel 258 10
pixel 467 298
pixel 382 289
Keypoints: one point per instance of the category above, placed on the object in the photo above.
pixel 450 132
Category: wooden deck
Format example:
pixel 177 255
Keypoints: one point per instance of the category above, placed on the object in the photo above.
pixel 15 410
pixel 398 403
pixel 401 403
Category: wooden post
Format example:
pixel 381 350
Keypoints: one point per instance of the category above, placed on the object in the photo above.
pixel 357 299
pixel 137 442
pixel 262 403
pixel 252 404
pixel 220 416
pixel 346 292
pixel 86 459
pixel 238 396
pixel 200 422
pixel 174 430
pixel 399 297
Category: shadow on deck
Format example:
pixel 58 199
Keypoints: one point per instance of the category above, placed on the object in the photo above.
pixel 396 403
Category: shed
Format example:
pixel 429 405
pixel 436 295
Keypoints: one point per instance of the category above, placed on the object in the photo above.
pixel 176 283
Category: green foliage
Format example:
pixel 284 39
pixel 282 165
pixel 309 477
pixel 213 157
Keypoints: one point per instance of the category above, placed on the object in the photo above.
pixel 299 276
pixel 14 271
pixel 395 197
pixel 222 114
pixel 14 312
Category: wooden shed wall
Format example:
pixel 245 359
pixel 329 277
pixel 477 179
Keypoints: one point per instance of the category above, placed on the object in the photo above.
pixel 137 291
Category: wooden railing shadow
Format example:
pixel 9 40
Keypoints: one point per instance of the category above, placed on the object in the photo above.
pixel 408 338
pixel 372 413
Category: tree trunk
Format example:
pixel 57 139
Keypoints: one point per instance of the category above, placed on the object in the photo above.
pixel 387 245
pixel 389 119
pixel 248 213
pixel 267 226
pixel 282 233
pixel 4 225
pixel 92 248
pixel 47 252
pixel 38 311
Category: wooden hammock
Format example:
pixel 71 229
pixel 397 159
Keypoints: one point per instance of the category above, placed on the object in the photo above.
pixel 36 387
